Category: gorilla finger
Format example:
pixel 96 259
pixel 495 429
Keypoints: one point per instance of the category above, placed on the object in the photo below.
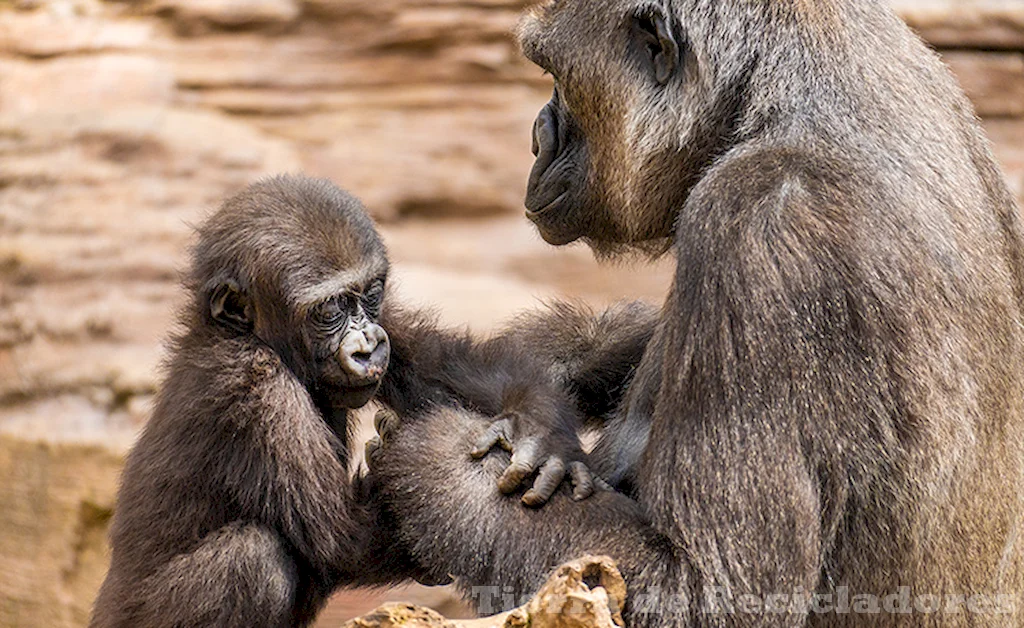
pixel 379 418
pixel 371 449
pixel 498 434
pixel 548 480
pixel 385 422
pixel 582 480
pixel 524 462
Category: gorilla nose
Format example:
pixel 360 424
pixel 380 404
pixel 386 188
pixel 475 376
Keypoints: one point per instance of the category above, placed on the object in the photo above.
pixel 545 134
pixel 365 352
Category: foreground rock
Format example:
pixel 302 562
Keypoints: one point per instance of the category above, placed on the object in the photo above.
pixel 565 601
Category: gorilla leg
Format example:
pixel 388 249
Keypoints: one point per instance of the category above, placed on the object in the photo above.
pixel 239 576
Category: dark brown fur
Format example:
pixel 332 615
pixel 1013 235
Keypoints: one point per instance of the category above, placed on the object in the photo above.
pixel 236 507
pixel 831 400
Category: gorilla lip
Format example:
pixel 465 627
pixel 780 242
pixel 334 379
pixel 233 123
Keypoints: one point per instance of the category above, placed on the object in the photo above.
pixel 530 213
pixel 361 387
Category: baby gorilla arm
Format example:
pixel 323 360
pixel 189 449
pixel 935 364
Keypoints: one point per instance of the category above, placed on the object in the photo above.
pixel 433 367
pixel 593 357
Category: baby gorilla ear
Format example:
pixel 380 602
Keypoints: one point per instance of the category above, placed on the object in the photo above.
pixel 230 306
pixel 652 29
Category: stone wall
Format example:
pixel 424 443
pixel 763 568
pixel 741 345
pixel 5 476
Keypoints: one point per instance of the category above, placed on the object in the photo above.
pixel 123 122
pixel 983 42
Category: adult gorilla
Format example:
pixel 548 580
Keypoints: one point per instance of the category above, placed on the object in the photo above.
pixel 831 401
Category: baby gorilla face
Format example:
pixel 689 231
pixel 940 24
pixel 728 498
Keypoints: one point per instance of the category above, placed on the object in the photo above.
pixel 297 264
pixel 352 349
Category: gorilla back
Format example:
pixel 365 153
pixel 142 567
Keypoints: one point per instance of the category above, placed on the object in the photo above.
pixel 832 399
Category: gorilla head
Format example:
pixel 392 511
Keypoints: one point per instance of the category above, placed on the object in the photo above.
pixel 637 114
pixel 302 269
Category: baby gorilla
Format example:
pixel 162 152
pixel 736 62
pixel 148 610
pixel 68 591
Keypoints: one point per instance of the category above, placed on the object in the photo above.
pixel 236 506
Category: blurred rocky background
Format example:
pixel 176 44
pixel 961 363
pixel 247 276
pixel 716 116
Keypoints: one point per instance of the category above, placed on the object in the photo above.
pixel 123 122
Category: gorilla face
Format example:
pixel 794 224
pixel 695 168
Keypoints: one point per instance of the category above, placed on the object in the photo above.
pixel 614 145
pixel 300 268
pixel 352 350
pixel 335 344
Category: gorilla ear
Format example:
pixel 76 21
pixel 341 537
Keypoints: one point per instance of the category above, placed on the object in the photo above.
pixel 653 30
pixel 230 306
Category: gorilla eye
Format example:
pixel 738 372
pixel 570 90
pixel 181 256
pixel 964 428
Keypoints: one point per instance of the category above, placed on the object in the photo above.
pixel 373 297
pixel 330 313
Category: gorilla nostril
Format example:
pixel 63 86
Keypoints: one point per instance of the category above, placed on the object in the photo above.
pixel 364 353
pixel 545 140
pixel 547 135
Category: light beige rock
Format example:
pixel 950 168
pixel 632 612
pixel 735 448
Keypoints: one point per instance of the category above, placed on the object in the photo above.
pixel 439 162
pixel 47 34
pixel 232 13
pixel 464 298
pixel 1008 140
pixel 984 24
pixel 57 500
pixel 994 81
pixel 178 141
pixel 565 601
pixel 95 82
pixel 354 55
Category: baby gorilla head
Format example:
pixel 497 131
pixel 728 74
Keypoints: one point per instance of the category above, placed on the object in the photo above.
pixel 297 264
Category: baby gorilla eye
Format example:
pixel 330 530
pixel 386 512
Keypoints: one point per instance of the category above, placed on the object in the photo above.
pixel 372 298
pixel 330 313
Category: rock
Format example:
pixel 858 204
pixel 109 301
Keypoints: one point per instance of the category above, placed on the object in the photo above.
pixel 46 34
pixel 345 605
pixel 1008 139
pixel 994 81
pixel 167 141
pixel 405 615
pixel 464 298
pixel 57 500
pixel 96 82
pixel 565 601
pixel 508 247
pixel 984 24
pixel 344 57
pixel 463 160
pixel 191 14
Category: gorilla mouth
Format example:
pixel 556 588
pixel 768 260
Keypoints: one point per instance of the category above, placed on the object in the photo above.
pixel 550 193
pixel 358 396
pixel 530 213
pixel 547 185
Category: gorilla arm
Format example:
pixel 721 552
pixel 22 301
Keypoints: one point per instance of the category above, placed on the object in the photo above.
pixel 596 357
pixel 446 511
pixel 303 489
pixel 593 355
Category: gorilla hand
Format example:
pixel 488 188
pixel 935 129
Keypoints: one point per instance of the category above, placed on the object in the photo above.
pixel 552 453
